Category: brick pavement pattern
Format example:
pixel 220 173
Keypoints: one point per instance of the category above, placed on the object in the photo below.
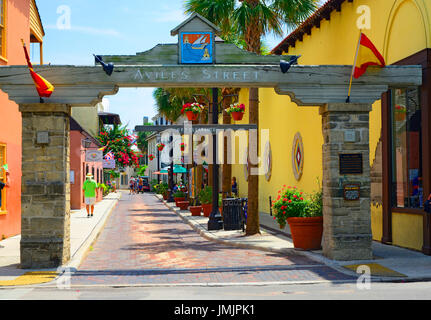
pixel 146 243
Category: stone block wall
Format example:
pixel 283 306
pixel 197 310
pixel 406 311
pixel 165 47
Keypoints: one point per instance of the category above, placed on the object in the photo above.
pixel 45 235
pixel 347 224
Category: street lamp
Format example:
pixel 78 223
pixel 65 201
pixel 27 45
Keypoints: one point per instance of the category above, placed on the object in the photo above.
pixel 215 218
pixel 86 143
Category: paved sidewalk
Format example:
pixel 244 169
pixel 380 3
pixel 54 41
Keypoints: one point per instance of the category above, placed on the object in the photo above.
pixel 83 232
pixel 390 263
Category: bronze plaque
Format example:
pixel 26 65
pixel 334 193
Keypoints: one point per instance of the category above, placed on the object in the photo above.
pixel 352 192
pixel 351 163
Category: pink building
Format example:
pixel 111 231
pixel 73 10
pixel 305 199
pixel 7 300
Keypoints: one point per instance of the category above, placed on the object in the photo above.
pixel 79 167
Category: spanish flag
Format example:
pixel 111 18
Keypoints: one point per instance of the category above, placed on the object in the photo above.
pixel 367 55
pixel 44 88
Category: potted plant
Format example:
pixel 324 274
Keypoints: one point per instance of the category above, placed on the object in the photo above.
pixel 196 211
pixel 162 189
pixel 182 146
pixel 151 157
pixel 160 146
pixel 236 110
pixel 305 217
pixel 400 113
pixel 205 198
pixel 183 205
pixel 192 110
pixel 179 196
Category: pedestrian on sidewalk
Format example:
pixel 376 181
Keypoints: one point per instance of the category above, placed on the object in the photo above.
pixel 132 185
pixel 89 188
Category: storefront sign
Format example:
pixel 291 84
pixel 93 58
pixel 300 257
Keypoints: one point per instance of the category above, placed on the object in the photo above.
pixel 351 163
pixel 352 192
pixel 108 164
pixel 93 156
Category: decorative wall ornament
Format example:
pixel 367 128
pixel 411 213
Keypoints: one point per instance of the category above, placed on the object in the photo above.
pixel 297 156
pixel 268 161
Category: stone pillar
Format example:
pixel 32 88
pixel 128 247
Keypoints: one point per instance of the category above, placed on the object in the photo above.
pixel 347 223
pixel 45 200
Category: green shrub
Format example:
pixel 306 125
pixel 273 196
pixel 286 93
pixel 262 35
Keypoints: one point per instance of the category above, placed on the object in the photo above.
pixel 179 194
pixel 206 195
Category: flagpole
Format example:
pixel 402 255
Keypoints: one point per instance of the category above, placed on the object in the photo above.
pixel 353 67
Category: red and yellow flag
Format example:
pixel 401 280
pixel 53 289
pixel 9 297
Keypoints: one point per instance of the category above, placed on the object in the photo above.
pixel 367 55
pixel 43 87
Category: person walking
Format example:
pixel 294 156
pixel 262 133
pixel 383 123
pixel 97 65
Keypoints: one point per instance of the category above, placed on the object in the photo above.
pixel 89 188
pixel 234 186
pixel 132 185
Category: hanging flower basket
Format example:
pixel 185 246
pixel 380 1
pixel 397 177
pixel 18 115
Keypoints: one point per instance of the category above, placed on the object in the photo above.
pixel 237 116
pixel 151 157
pixel 400 113
pixel 192 110
pixel 236 110
pixel 160 146
pixel 183 146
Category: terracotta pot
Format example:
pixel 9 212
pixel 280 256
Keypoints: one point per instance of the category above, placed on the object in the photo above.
pixel 192 116
pixel 306 232
pixel 177 200
pixel 207 208
pixel 165 197
pixel 237 115
pixel 196 211
pixel 400 116
pixel 183 205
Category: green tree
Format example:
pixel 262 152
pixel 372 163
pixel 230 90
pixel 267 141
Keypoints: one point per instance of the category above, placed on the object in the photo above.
pixel 251 20
pixel 117 140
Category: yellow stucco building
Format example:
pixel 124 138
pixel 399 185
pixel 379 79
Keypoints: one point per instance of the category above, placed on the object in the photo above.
pixel 400 154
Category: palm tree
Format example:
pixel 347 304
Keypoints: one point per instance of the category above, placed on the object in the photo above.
pixel 252 19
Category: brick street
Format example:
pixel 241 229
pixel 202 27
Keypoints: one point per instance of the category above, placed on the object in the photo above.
pixel 144 242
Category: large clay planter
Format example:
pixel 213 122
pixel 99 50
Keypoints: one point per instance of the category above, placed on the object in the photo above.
pixel 306 232
pixel 207 208
pixel 177 200
pixel 183 205
pixel 196 211
pixel 192 116
pixel 237 116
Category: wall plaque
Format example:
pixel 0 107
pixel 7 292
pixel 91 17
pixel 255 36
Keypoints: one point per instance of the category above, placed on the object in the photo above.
pixel 351 163
pixel 352 192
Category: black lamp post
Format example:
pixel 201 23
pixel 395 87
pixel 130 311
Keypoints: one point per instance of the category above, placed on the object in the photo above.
pixel 215 218
pixel 171 172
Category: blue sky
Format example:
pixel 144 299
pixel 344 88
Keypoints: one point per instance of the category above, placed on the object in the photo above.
pixel 111 27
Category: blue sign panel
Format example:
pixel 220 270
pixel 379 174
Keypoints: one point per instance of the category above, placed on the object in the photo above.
pixel 196 47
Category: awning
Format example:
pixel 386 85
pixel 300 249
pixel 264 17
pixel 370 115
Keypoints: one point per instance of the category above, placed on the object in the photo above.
pixel 177 169
pixel 160 173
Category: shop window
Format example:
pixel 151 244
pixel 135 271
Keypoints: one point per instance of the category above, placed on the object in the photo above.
pixel 3 28
pixel 406 152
